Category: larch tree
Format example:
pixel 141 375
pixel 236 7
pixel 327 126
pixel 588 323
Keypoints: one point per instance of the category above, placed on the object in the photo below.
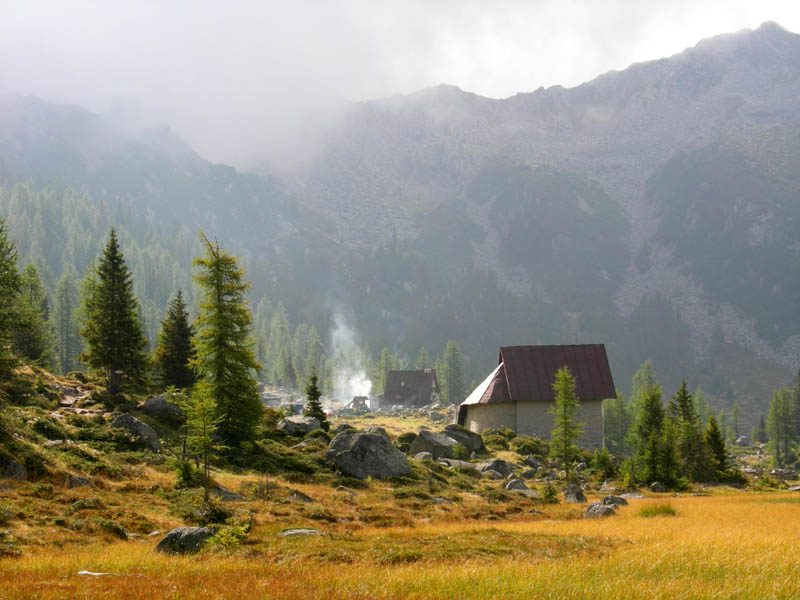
pixel 781 427
pixel 68 341
pixel 112 331
pixel 174 351
pixel 9 288
pixel 225 361
pixel 564 438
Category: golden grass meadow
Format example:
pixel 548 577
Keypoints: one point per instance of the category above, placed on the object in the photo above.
pixel 742 545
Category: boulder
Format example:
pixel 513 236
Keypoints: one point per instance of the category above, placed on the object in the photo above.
pixel 492 474
pixel 363 455
pixel 436 417
pixel 11 469
pixel 742 440
pixel 533 462
pixel 160 407
pixel 574 494
pixel 438 444
pixel 453 462
pixel 596 510
pixel 423 456
pixel 298 496
pixel 299 424
pixel 185 540
pixel 529 473
pixel 136 427
pixel 501 466
pixel 657 488
pixel 299 531
pixel 341 428
pixel 516 484
pixel 377 431
pixel 632 496
pixel 226 495
pixel 78 482
pixel 614 501
pixel 469 439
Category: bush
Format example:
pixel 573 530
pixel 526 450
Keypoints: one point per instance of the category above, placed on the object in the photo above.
pixel 658 510
pixel 50 428
pixel 188 505
pixel 318 434
pixel 403 441
pixel 87 504
pixel 549 494
pixel 228 536
pixel 603 465
pixel 111 527
pixel 460 452
pixel 525 445
pixel 6 515
pixel 187 476
pixel 495 441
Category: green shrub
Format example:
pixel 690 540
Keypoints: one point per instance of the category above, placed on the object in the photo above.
pixel 603 465
pixel 6 514
pixel 460 452
pixel 187 476
pixel 495 441
pixel 43 490
pixel 111 527
pixel 549 494
pixel 658 510
pixel 404 440
pixel 525 445
pixel 50 428
pixel 318 434
pixel 228 536
pixel 188 505
pixel 86 504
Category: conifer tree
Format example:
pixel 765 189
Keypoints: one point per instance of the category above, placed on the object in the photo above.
pixel 566 431
pixel 313 404
pixel 224 359
pixel 759 431
pixel 618 418
pixel 736 422
pixel 716 445
pixel 452 375
pixel 780 427
pixel 652 440
pixel 68 343
pixel 691 448
pixel 175 351
pixel 423 359
pixel 32 335
pixel 285 373
pixel 9 288
pixel 202 423
pixel 115 344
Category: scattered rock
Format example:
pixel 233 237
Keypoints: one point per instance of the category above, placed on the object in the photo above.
pixel 581 466
pixel 11 469
pixel 345 490
pixel 573 493
pixel 517 484
pixel 160 407
pixel 469 439
pixel 341 428
pixel 614 501
pixel 496 464
pixel 436 417
pixel 783 474
pixel 136 427
pixel 438 444
pixel 299 424
pixel 453 462
pixel 529 473
pixel 53 443
pixel 299 531
pixel 185 540
pixel 74 481
pixel 363 455
pixel 298 496
pixel 533 462
pixel 153 533
pixel 596 510
pixel 742 440
pixel 632 496
pixel 374 429
pixel 657 488
pixel 227 495
pixel 440 500
pixel 492 474
pixel 423 456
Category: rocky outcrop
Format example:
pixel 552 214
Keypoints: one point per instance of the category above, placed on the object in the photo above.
pixel 185 540
pixel 439 445
pixel 299 424
pixel 573 493
pixel 500 466
pixel 363 455
pixel 596 511
pixel 469 439
pixel 142 430
pixel 11 469
pixel 614 501
pixel 160 408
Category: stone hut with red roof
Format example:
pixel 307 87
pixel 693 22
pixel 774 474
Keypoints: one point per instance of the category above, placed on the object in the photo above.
pixel 518 394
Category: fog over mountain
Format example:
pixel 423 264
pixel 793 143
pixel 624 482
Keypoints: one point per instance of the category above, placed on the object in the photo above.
pixel 653 209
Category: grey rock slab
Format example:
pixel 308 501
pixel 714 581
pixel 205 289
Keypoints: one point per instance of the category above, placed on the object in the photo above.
pixel 574 494
pixel 299 532
pixel 363 455
pixel 596 510
pixel 614 501
pixel 185 540
pixel 439 445
pixel 423 456
pixel 469 439
pixel 299 424
pixel 517 484
pixel 501 466
pixel 136 427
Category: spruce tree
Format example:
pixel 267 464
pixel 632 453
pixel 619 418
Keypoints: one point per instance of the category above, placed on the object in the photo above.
pixel 115 344
pixel 716 445
pixel 759 431
pixel 32 335
pixel 224 359
pixel 9 288
pixel 175 351
pixel 653 440
pixel 691 449
pixel 781 427
pixel 617 421
pixel 423 359
pixel 68 343
pixel 563 439
pixel 453 388
pixel 313 406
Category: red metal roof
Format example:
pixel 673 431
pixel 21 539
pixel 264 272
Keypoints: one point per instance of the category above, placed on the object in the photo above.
pixel 530 372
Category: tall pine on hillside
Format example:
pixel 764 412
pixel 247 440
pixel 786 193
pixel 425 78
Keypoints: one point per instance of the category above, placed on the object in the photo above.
pixel 781 427
pixel 452 375
pixel 313 404
pixel 32 335
pixel 564 438
pixel 115 344
pixel 175 350
pixel 225 361
pixel 9 287
pixel 68 342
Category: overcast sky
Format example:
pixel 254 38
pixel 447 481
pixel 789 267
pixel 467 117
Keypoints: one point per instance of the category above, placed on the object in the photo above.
pixel 249 81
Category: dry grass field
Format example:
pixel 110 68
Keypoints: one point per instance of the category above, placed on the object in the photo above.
pixel 729 546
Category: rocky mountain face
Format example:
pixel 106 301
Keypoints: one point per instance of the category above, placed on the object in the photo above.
pixel 653 209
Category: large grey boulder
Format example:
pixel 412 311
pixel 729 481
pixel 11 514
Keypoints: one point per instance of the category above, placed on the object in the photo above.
pixel 423 456
pixel 573 493
pixel 657 488
pixel 501 466
pixel 454 462
pixel 614 501
pixel 438 444
pixel 160 407
pixel 469 439
pixel 363 455
pixel 533 462
pixel 596 511
pixel 492 474
pixel 299 424
pixel 136 427
pixel 516 484
pixel 342 427
pixel 185 540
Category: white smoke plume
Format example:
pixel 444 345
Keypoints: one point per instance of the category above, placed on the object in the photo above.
pixel 349 379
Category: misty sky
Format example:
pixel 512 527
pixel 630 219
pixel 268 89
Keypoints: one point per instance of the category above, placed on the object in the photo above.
pixel 246 82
